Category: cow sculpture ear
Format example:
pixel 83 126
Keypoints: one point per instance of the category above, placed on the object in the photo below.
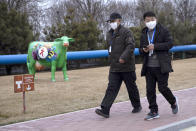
pixel 71 39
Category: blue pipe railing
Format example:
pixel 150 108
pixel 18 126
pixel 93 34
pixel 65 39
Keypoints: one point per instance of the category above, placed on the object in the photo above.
pixel 78 55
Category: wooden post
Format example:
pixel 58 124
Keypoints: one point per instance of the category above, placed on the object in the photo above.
pixel 22 84
pixel 24 104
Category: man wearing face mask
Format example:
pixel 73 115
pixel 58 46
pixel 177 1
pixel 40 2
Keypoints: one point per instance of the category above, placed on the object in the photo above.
pixel 154 46
pixel 122 66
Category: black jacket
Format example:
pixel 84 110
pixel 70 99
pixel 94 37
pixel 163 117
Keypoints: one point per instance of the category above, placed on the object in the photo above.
pixel 122 44
pixel 162 43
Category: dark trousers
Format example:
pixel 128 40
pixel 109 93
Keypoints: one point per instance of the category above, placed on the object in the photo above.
pixel 115 81
pixel 153 76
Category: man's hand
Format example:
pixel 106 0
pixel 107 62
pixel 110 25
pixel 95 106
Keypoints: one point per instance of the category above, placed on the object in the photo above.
pixel 150 47
pixel 121 61
pixel 145 50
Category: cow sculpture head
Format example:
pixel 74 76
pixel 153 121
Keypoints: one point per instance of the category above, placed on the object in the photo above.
pixel 65 40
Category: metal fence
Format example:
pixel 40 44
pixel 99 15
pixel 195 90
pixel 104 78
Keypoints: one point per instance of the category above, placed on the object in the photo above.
pixel 80 55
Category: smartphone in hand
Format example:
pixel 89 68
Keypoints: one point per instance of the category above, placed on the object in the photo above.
pixel 145 46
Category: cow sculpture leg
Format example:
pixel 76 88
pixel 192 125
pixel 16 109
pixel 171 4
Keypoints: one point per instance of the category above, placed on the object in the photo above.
pixel 65 72
pixel 53 69
pixel 31 67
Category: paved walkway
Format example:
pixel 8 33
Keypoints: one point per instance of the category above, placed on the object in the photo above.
pixel 121 118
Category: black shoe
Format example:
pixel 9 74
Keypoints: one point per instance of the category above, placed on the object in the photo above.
pixel 175 107
pixel 102 113
pixel 151 116
pixel 136 110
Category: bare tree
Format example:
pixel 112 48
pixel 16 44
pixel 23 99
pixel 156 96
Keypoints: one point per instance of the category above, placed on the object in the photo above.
pixel 127 9
pixel 148 5
pixel 185 10
pixel 31 8
pixel 82 9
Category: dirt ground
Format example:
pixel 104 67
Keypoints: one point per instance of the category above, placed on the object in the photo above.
pixel 85 89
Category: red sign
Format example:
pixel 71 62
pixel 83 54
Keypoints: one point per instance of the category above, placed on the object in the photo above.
pixel 23 83
pixel 18 84
pixel 28 82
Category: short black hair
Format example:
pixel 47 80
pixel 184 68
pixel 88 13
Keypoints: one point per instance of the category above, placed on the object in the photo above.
pixel 149 14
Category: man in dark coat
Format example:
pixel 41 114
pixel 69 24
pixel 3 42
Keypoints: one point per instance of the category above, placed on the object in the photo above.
pixel 154 46
pixel 122 66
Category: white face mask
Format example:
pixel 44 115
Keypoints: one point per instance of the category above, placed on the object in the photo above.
pixel 114 25
pixel 151 25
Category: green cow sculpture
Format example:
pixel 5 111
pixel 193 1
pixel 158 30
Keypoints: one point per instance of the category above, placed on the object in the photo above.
pixel 48 54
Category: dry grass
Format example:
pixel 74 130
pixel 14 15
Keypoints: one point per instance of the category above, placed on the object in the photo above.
pixel 85 89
